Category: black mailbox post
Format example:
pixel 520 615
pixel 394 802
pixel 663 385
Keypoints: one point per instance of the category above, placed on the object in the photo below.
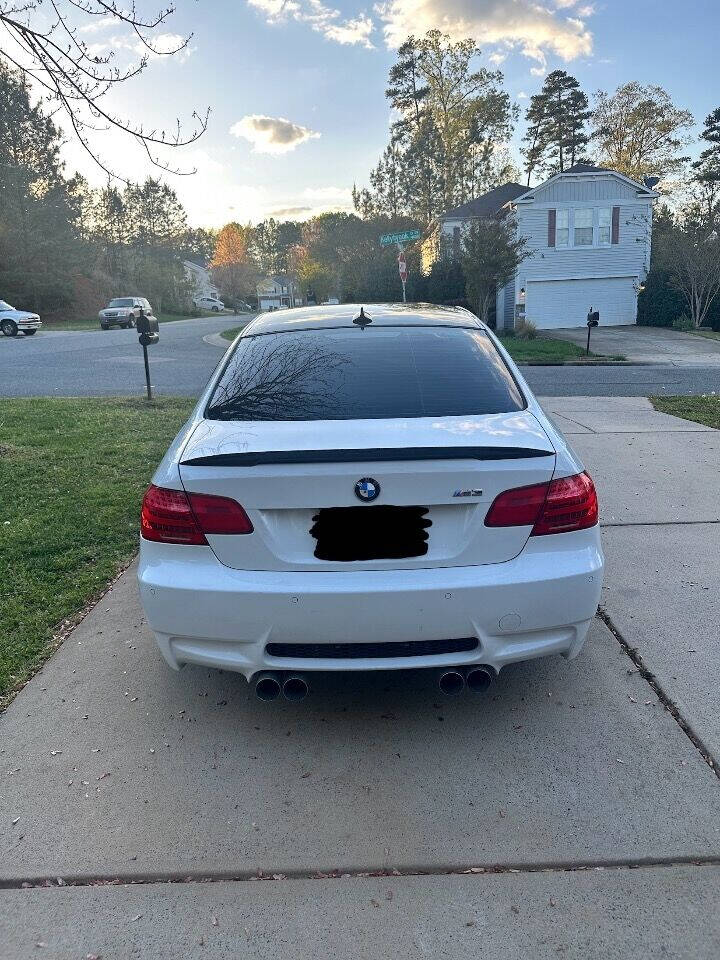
pixel 593 320
pixel 147 327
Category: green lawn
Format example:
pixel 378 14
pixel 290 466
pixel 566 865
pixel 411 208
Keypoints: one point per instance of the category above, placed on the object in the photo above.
pixel 231 333
pixel 72 472
pixel 700 409
pixel 711 334
pixel 547 350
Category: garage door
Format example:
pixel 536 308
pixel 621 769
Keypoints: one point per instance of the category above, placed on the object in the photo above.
pixel 565 303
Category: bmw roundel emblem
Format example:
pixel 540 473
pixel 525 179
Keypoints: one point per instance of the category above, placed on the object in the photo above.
pixel 367 489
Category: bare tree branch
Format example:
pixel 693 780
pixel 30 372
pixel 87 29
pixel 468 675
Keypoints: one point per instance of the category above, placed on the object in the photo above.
pixel 44 41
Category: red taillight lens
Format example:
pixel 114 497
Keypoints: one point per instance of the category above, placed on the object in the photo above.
pixel 517 508
pixel 560 506
pixel 172 516
pixel 219 514
pixel 571 504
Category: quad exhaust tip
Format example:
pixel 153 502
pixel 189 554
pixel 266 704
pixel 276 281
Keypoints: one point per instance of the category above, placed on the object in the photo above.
pixel 477 679
pixel 451 682
pixel 269 686
pixel 295 688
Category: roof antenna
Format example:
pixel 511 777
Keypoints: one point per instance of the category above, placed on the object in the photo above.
pixel 362 320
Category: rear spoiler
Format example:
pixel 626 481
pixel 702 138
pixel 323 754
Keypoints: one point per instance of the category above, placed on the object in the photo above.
pixel 366 455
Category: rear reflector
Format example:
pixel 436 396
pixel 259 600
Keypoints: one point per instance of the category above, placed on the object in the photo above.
pixel 173 516
pixel 560 506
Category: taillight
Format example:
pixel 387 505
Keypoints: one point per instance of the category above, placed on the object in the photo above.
pixel 173 516
pixel 563 505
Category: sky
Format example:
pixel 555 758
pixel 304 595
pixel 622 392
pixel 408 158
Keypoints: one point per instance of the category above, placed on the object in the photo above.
pixel 296 87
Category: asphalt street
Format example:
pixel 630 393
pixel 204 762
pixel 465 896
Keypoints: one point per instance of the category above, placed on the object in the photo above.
pixel 96 363
pixel 573 811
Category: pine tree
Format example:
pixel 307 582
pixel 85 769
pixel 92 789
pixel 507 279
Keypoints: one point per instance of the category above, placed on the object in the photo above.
pixel 707 172
pixel 557 116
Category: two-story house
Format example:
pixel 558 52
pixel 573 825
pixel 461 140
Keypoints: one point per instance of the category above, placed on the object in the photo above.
pixel 278 293
pixel 589 231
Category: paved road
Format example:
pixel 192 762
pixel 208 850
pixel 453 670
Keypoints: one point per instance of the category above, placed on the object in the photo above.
pixel 566 814
pixel 96 363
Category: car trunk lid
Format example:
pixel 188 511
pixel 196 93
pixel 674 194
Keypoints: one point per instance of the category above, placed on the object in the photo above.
pixel 436 478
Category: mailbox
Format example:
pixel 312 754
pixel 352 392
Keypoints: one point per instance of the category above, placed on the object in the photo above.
pixel 148 329
pixel 593 318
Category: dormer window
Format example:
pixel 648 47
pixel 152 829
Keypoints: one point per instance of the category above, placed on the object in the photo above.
pixel 562 228
pixel 583 227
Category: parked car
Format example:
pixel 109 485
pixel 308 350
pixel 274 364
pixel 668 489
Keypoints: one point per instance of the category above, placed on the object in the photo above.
pixel 368 493
pixel 209 303
pixel 14 321
pixel 123 312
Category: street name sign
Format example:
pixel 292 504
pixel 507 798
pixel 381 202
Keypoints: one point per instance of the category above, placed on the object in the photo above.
pixel 407 236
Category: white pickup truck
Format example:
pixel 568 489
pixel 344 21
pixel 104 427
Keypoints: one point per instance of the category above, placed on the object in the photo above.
pixel 14 321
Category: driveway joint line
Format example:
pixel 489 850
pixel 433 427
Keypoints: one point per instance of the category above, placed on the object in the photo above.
pixel 659 523
pixel 671 707
pixel 368 873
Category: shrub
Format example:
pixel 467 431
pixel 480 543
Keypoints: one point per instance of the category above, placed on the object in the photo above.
pixel 683 322
pixel 525 330
pixel 660 303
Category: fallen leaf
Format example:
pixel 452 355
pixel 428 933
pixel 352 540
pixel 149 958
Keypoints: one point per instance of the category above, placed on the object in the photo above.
pixel 54 753
pixel 134 919
pixel 619 760
pixel 305 776
pixel 215 922
pixel 16 820
pixel 375 903
pixel 515 909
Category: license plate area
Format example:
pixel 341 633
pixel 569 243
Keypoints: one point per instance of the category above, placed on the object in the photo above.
pixel 352 534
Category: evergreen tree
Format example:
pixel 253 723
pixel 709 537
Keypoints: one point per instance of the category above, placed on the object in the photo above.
pixel 707 172
pixel 556 137
pixel 41 246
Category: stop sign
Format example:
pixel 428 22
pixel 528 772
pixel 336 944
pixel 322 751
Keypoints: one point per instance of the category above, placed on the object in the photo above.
pixel 402 266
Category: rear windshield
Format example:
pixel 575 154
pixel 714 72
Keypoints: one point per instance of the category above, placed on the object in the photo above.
pixel 372 373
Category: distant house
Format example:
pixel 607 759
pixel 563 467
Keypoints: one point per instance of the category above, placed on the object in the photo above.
pixel 278 293
pixel 589 230
pixel 199 277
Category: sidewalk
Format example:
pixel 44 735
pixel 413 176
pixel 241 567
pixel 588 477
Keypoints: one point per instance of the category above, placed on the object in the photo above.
pixel 586 812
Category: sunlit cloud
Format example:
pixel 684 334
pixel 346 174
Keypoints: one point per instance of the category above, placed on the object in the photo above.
pixel 272 134
pixel 322 19
pixel 534 29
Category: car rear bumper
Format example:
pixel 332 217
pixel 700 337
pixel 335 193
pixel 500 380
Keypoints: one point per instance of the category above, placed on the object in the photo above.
pixel 538 604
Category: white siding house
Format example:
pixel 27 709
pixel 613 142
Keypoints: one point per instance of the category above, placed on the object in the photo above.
pixel 278 293
pixel 589 230
pixel 199 276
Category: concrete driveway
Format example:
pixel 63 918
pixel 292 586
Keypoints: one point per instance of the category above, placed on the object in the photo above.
pixel 647 344
pixel 572 812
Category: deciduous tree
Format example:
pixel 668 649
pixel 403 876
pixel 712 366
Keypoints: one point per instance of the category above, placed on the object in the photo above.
pixel 491 253
pixel 639 131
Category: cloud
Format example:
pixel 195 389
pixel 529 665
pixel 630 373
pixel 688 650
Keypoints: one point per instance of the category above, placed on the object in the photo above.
pixel 321 18
pixel 272 134
pixel 98 25
pixel 535 29
pixel 291 213
pixel 159 47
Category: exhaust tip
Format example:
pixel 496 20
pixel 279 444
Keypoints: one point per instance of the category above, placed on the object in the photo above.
pixel 479 679
pixel 295 688
pixel 451 682
pixel 267 687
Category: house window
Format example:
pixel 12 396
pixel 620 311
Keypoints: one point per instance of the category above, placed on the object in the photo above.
pixel 604 222
pixel 583 228
pixel 562 228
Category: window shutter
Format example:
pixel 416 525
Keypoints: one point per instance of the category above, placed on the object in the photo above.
pixel 615 236
pixel 552 218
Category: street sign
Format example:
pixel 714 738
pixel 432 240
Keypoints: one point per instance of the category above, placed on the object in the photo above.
pixel 407 236
pixel 402 267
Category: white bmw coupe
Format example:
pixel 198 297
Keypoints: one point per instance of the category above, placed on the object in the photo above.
pixel 368 489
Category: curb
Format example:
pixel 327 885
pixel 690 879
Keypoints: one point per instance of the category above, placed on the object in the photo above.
pixel 216 340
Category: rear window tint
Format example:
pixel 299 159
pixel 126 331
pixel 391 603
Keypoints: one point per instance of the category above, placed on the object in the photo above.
pixel 372 373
